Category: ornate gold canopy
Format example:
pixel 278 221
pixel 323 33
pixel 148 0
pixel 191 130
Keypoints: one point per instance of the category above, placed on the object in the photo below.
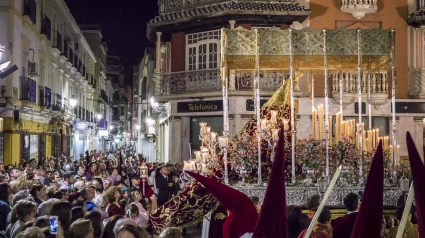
pixel 274 49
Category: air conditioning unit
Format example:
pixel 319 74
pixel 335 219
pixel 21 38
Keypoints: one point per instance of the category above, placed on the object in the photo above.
pixel 33 69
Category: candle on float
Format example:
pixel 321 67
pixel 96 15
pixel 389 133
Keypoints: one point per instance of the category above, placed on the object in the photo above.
pixel 338 127
pixel 198 155
pixel 354 127
pixel 364 142
pixel 357 140
pixel 365 145
pixel 370 140
pixel 377 137
pixel 285 124
pixel 342 129
pixel 313 124
pixel 275 134
pixel 263 124
pixel 273 116
pixel 330 129
pixel 213 137
pixel 320 114
pixel 357 135
pixel 373 138
pixel 222 141
pixel 347 128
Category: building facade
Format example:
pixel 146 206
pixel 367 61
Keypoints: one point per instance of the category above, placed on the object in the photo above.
pixel 101 100
pixel 57 68
pixel 146 115
pixel 121 117
pixel 188 43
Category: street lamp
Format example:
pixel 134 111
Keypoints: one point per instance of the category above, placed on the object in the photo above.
pixel 99 116
pixel 72 102
pixel 138 127
pixel 111 128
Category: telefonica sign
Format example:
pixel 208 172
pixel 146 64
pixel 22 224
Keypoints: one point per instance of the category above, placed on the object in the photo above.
pixel 200 106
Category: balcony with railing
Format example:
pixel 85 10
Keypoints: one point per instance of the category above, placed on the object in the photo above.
pixel 201 81
pixel 378 86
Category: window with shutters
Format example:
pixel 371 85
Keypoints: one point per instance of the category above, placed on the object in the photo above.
pixel 55 146
pixel 203 50
pixel 30 9
pixel 46 27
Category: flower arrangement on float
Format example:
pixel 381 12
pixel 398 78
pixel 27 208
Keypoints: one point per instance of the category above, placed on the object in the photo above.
pixel 243 158
pixel 245 152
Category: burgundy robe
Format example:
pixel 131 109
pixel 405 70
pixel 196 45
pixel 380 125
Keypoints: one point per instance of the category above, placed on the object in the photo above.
pixel 113 210
pixel 343 226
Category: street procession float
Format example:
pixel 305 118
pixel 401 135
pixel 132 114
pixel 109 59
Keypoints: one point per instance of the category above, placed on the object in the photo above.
pixel 336 145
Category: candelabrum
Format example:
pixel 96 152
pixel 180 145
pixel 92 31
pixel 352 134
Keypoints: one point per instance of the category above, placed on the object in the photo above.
pixel 207 159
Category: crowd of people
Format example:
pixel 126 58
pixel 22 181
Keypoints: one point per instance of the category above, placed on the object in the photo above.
pixel 102 194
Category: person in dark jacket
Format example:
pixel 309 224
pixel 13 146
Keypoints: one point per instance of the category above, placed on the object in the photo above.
pixel 343 226
pixel 5 208
pixel 297 221
pixel 165 186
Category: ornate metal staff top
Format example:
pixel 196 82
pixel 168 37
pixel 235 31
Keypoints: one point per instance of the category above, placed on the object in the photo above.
pixel 325 70
pixel 393 82
pixel 359 95
pixel 257 103
pixel 291 72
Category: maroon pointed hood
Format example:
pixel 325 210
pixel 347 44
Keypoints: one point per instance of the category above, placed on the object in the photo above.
pixel 418 176
pixel 369 218
pixel 243 215
pixel 273 221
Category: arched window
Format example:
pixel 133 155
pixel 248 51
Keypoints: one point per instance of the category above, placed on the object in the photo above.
pixel 203 50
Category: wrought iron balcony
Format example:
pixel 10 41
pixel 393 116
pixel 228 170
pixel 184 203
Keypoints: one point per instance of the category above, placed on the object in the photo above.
pixel 209 81
pixel 378 86
pixel 270 80
pixel 191 81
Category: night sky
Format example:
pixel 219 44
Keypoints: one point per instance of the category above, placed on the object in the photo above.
pixel 123 25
